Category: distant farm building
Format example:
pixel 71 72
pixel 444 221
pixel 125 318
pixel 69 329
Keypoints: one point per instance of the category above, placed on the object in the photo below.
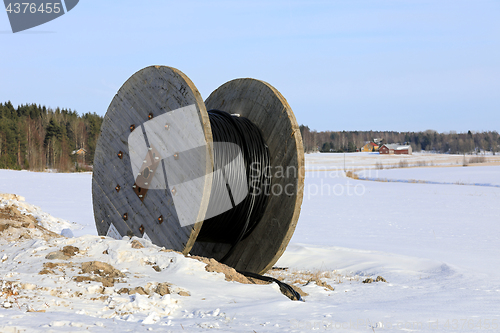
pixel 370 146
pixel 80 157
pixel 395 149
pixel 80 151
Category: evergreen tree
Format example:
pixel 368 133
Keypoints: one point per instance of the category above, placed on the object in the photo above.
pixel 35 137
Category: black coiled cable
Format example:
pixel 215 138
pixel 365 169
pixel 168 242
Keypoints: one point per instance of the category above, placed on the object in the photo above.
pixel 236 224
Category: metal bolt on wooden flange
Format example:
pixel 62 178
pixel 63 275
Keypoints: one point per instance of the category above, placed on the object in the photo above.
pixel 139 191
pixel 180 124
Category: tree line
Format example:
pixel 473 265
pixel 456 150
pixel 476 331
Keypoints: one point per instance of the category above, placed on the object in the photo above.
pixel 351 141
pixel 34 137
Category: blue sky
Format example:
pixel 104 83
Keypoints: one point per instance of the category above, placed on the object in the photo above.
pixel 342 65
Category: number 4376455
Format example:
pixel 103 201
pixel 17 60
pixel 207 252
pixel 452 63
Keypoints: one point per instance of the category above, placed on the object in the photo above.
pixel 26 7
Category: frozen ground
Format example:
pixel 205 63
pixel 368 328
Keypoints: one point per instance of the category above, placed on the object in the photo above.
pixel 358 161
pixel 64 195
pixel 435 244
pixel 470 175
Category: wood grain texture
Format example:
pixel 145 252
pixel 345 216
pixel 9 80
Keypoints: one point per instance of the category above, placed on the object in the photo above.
pixel 269 111
pixel 153 90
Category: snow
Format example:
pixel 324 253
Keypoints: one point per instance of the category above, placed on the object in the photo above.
pixel 470 175
pixel 460 223
pixel 436 244
pixel 356 161
pixel 64 195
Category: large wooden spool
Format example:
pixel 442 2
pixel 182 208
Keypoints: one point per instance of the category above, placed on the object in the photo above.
pixel 159 112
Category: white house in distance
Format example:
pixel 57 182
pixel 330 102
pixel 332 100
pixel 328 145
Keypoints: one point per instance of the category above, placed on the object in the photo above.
pixel 395 149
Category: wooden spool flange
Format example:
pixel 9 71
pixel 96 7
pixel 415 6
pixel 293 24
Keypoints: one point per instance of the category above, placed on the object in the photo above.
pixel 159 112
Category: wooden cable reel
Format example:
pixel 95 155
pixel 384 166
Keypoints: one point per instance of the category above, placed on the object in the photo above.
pixel 154 160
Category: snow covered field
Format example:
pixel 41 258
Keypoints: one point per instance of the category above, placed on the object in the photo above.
pixel 357 161
pixel 63 195
pixel 470 175
pixel 435 244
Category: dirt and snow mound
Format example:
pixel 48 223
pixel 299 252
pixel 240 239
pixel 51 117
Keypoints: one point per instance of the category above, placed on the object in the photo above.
pixel 13 207
pixel 230 273
pixel 129 279
pixel 16 225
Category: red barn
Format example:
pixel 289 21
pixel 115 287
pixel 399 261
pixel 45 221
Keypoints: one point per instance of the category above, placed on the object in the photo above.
pixel 395 149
